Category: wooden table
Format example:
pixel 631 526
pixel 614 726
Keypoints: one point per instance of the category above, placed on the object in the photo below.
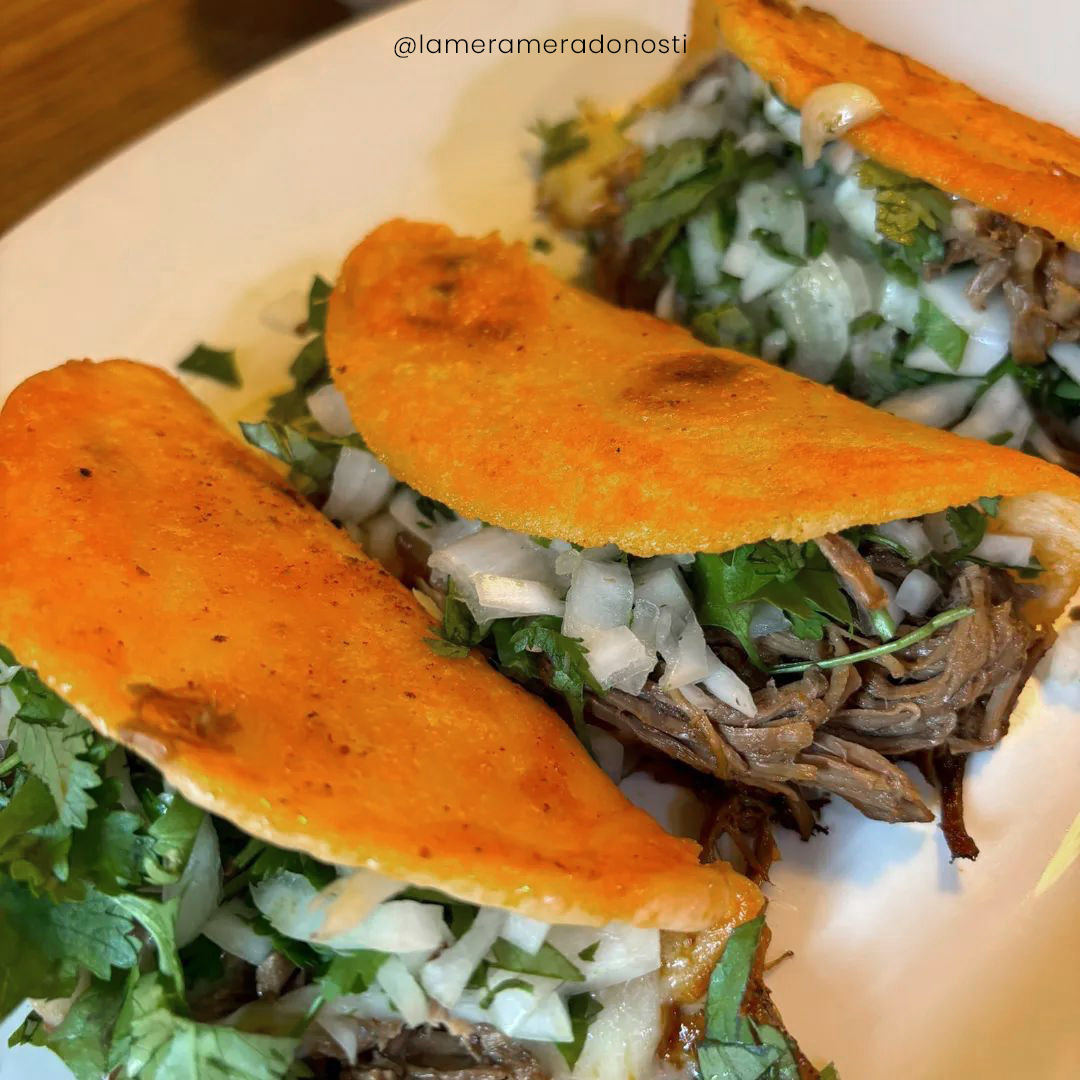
pixel 80 78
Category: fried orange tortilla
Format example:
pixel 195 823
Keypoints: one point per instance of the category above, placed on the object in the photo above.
pixel 486 382
pixel 164 579
pixel 932 127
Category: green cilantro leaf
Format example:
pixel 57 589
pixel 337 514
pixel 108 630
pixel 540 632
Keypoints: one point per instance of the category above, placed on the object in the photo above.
pixel 173 835
pixel 45 943
pixel 589 952
pixel 351 973
pixel 30 806
pixel 570 670
pixel 737 1061
pixel 727 326
pixel 81 1041
pixel 583 1010
pixel 311 459
pixel 727 986
pixel 548 961
pixel 506 984
pixel 939 332
pixel 772 243
pixel 158 919
pixel 54 751
pixel 817 239
pixel 561 141
pixel 157 1044
pixel 216 364
pixel 318 299
pixel 460 631
pixel 904 204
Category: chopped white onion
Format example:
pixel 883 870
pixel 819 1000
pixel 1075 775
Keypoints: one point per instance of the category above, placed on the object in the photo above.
pixel 727 687
pixel 618 659
pixel 444 978
pixel 815 307
pixel 774 205
pixel 917 592
pixel 857 282
pixel 936 404
pixel 787 121
pixel 199 887
pixel 760 271
pixel 1002 548
pixel 662 127
pixel 229 930
pixel 502 596
pixel 857 206
pixel 327 405
pixel 644 621
pixel 690 661
pixel 665 307
pixel 705 248
pixel 830 111
pixel 525 933
pixel 657 581
pixel 706 90
pixel 910 535
pixel 840 157
pixel 623 1039
pixel 622 952
pixel 361 486
pixel 766 618
pixel 600 597
pixel 403 990
pixel 396 926
pixel 549 1021
pixel 285 899
pixel 1001 409
pixel 899 304
pixel 1067 356
pixel 286 313
pixel 896 612
pixel 1044 446
pixel 352 897
pixel 940 532
pixel 773 345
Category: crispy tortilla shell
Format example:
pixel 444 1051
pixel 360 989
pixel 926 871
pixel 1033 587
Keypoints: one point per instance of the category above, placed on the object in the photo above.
pixel 483 380
pixel 164 579
pixel 932 127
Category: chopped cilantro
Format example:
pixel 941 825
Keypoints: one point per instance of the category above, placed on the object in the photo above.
pixel 560 141
pixel 817 240
pixel 772 243
pixel 547 961
pixel 583 1010
pixel 1000 439
pixel 589 952
pixel 311 459
pixel 318 299
pixel 727 326
pixel 506 984
pixel 906 208
pixel 351 973
pixel 216 364
pixel 937 330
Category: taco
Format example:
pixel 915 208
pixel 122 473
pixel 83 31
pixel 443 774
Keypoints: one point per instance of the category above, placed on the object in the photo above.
pixel 327 842
pixel 799 192
pixel 775 585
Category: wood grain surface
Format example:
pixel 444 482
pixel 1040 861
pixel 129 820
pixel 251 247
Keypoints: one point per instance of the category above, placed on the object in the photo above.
pixel 81 78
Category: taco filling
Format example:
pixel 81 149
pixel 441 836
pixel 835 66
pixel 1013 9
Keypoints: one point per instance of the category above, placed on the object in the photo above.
pixel 792 670
pixel 762 230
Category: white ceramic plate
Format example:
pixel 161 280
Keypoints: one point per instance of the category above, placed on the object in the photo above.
pixel 904 965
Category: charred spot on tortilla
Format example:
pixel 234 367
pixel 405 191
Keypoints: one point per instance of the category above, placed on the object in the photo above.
pixel 187 714
pixel 674 382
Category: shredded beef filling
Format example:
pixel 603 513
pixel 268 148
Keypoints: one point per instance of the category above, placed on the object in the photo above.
pixel 840 731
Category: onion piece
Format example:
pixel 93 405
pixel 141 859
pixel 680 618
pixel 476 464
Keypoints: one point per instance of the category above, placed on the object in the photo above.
pixel 917 592
pixel 327 405
pixel 689 661
pixel 858 207
pixel 643 622
pixel 1002 408
pixel 622 952
pixel 548 1022
pixel 899 304
pixel 501 596
pixel 403 990
pixel 830 111
pixel 1067 356
pixel 1002 548
pixel 666 300
pixel 940 532
pixel 361 486
pixel 600 597
pixel 936 404
pixel 230 931
pixel 623 1039
pixel 395 926
pixel 525 933
pixel 786 121
pixel 444 978
pixel 662 127
pixel 727 687
pixel 657 581
pixel 199 887
pixel 910 535
pixel 774 205
pixel 617 658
